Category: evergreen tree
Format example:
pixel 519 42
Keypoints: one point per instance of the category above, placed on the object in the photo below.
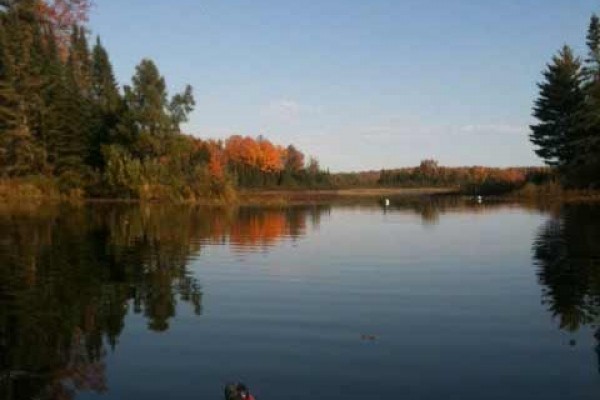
pixel 592 67
pixel 147 100
pixel 19 153
pixel 8 97
pixel 79 60
pixel 586 169
pixel 53 71
pixel 69 126
pixel 105 91
pixel 558 110
pixel 180 107
pixel 24 49
pixel 106 103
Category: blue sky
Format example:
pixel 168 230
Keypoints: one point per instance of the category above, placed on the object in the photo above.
pixel 359 84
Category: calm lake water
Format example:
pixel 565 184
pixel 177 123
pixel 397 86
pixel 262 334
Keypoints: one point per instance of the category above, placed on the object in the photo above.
pixel 422 300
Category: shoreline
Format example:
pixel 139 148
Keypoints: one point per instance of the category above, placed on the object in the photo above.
pixel 249 197
pixel 284 197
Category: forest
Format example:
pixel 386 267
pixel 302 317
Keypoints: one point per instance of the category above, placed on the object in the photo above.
pixel 68 129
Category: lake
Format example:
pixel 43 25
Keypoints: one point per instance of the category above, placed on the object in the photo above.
pixel 425 299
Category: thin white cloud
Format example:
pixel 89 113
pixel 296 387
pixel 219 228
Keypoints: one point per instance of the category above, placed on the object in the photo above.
pixel 282 110
pixel 286 110
pixel 495 129
pixel 398 130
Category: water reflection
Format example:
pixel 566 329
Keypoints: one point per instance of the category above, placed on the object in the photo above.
pixel 69 276
pixel 432 208
pixel 252 228
pixel 567 255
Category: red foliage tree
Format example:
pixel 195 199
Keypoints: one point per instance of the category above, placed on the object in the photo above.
pixel 293 159
pixel 63 14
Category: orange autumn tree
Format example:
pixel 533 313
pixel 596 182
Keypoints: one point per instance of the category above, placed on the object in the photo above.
pixel 270 157
pixel 254 162
pixel 259 163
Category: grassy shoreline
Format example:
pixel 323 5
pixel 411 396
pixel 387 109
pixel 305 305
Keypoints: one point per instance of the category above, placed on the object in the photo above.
pixel 43 191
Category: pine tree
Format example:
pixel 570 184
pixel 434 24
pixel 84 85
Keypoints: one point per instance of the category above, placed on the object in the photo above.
pixel 79 60
pixel 69 122
pixel 558 110
pixel 19 153
pixel 106 103
pixel 8 97
pixel 53 72
pixel 105 91
pixel 68 129
pixel 180 107
pixel 592 62
pixel 23 46
pixel 586 167
pixel 147 100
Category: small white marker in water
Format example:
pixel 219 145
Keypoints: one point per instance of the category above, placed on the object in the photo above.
pixel 387 202
pixel 479 199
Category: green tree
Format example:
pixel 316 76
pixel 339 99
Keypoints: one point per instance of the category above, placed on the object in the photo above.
pixel 557 110
pixel 79 60
pixel 105 90
pixel 24 53
pixel 106 102
pixel 592 67
pixel 19 154
pixel 180 107
pixel 69 132
pixel 147 100
pixel 586 168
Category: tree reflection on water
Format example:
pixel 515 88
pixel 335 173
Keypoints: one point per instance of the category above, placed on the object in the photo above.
pixel 567 256
pixel 69 276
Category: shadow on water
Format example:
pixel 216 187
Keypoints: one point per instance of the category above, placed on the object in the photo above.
pixel 69 276
pixel 567 256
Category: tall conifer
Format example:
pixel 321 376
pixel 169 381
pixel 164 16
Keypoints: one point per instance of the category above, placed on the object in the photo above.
pixel 106 102
pixel 558 110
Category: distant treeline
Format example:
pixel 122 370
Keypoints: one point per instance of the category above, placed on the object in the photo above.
pixel 473 180
pixel 67 127
pixel 567 134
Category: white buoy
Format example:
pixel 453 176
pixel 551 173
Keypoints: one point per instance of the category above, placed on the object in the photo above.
pixel 479 199
pixel 387 202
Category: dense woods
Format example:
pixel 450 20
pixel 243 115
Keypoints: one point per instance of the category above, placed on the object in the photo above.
pixel 567 134
pixel 68 128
